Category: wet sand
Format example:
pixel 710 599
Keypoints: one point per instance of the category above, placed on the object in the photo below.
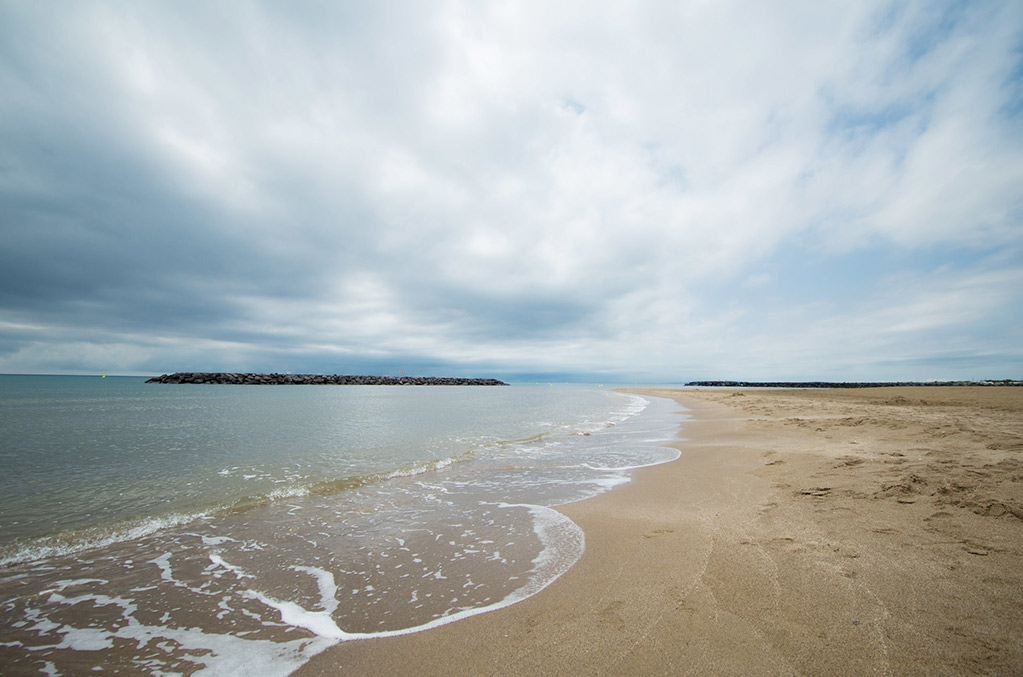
pixel 874 531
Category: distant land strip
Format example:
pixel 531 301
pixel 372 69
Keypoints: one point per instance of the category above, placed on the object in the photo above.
pixel 828 384
pixel 318 379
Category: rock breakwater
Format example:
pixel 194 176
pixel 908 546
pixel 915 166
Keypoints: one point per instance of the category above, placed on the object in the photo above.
pixel 233 378
pixel 847 384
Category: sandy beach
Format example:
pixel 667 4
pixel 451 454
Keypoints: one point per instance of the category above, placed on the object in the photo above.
pixel 874 531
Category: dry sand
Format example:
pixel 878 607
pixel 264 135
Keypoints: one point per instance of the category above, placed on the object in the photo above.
pixel 831 532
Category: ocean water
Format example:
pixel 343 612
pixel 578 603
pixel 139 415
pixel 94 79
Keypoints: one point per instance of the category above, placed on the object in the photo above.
pixel 211 529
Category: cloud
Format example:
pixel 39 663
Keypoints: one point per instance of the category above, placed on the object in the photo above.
pixel 609 188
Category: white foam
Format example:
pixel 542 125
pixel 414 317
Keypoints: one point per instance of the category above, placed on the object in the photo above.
pixel 219 561
pixel 54 546
pixel 163 562
pixel 327 585
pixel 86 639
pixel 669 455
pixel 562 544
pixel 319 623
pixel 227 654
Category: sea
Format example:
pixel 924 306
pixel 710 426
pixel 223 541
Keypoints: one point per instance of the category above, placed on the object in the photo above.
pixel 214 529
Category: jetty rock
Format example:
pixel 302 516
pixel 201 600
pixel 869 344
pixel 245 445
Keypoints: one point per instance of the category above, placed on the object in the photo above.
pixel 235 378
pixel 845 384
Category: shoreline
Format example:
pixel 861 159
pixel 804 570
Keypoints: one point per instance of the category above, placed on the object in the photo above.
pixel 869 531
pixel 854 384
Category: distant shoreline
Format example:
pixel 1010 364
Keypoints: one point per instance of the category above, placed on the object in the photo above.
pixel 233 378
pixel 849 384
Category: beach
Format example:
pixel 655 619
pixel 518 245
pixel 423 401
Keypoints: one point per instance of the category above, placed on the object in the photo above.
pixel 875 531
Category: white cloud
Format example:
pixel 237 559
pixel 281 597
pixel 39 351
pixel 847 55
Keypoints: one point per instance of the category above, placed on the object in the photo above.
pixel 592 185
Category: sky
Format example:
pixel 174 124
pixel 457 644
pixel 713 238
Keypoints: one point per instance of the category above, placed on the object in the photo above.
pixel 609 191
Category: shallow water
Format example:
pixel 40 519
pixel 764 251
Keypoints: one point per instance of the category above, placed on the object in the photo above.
pixel 374 513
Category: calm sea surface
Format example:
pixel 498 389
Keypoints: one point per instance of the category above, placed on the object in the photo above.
pixel 187 527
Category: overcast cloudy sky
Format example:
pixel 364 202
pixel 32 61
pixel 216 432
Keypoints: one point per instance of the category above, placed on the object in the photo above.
pixel 637 191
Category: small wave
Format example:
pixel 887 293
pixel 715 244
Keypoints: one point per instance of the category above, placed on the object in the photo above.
pixel 522 440
pixel 79 540
pixel 75 541
pixel 421 467
pixel 669 456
